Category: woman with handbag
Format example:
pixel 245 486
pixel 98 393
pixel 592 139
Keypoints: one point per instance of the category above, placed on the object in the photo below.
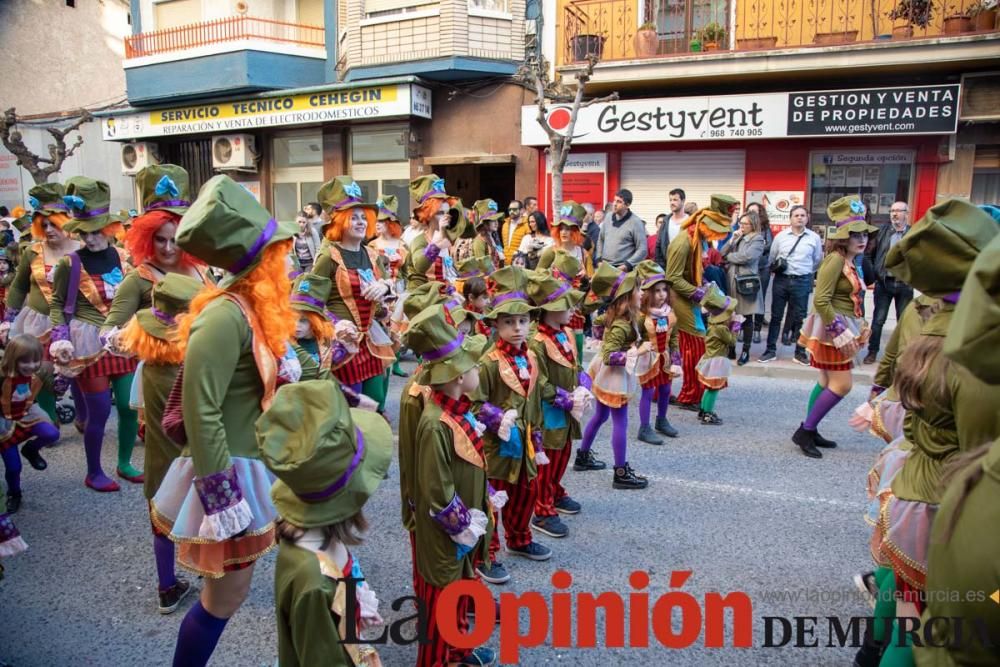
pixel 742 254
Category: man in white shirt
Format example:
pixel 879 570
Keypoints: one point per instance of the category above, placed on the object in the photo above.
pixel 802 250
pixel 672 227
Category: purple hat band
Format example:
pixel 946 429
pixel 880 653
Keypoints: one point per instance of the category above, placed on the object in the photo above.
pixel 85 215
pixel 445 349
pixel 853 218
pixel 163 317
pixel 953 297
pixel 341 482
pixel 56 204
pixel 265 236
pixel 432 193
pixel 453 304
pixel 653 279
pixel 571 218
pixel 353 201
pixel 305 298
pixel 618 283
pixel 167 202
pixel 563 288
pixel 500 298
pixel 385 211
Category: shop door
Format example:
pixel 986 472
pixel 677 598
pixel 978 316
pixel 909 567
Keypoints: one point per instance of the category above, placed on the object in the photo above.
pixel 471 182
pixel 297 172
pixel 650 175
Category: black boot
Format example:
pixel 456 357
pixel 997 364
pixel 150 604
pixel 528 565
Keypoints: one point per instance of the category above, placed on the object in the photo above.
pixel 709 418
pixel 870 653
pixel 820 441
pixel 744 356
pixel 34 458
pixel 585 461
pixel 756 332
pixel 732 352
pixel 13 502
pixel 625 478
pixel 806 440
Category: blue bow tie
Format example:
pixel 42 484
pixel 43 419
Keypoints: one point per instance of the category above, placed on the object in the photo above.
pixel 561 338
pixel 661 322
pixel 113 277
pixel 521 362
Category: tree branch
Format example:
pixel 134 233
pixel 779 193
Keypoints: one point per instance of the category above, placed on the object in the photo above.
pixel 58 152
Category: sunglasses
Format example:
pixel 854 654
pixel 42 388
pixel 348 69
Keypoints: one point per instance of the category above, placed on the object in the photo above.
pixel 513 210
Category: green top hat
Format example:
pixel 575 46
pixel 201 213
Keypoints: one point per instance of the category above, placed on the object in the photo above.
pixel 510 296
pixel 89 204
pixel 549 293
pixel 848 215
pixel 227 227
pixel 460 226
pixel 486 210
pixel 565 265
pixel 720 307
pixel 310 293
pixel 341 193
pixel 722 204
pixel 974 336
pixel 171 297
pixel 936 254
pixel 164 187
pixel 610 282
pixel 445 352
pixel 388 208
pixel 47 198
pixel 328 459
pixel 433 293
pixel 475 267
pixel 23 223
pixel 649 273
pixel 570 213
pixel 427 187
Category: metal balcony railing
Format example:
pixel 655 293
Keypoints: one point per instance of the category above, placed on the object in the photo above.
pixel 610 28
pixel 229 29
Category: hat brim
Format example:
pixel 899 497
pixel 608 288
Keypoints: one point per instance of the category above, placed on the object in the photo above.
pixel 463 230
pixel 567 301
pixel 512 307
pixel 347 207
pixel 302 307
pixel 462 360
pixel 348 501
pixel 151 325
pixel 627 286
pixel 285 231
pixel 90 225
pixel 844 232
pixel 566 221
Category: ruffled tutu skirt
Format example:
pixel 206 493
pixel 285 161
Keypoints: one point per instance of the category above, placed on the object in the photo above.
pixel 714 372
pixel 612 385
pixel 33 323
pixel 889 461
pixel 822 353
pixel 902 537
pixel 178 512
pixel 653 369
pixel 882 417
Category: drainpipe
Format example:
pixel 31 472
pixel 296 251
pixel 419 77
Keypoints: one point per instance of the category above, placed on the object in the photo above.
pixel 330 30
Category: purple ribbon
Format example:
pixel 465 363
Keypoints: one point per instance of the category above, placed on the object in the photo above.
pixel 559 274
pixel 56 204
pixel 500 298
pixel 563 288
pixel 618 283
pixel 341 481
pixel 444 350
pixel 265 236
pixel 84 215
pixel 952 298
pixel 571 218
pixel 349 200
pixel 167 202
pixel 163 317
pixel 453 304
pixel 853 218
pixel 653 279
pixel 385 211
pixel 432 193
pixel 305 298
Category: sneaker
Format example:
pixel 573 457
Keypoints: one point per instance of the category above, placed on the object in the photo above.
pixel 585 461
pixel 13 502
pixel 820 441
pixel 870 358
pixel 648 435
pixel 532 551
pixel 709 418
pixel 550 525
pixel 567 505
pixel 866 584
pixel 493 574
pixel 625 478
pixel 801 357
pixel 806 442
pixel 33 457
pixel 480 657
pixel 769 355
pixel 171 598
pixel 663 426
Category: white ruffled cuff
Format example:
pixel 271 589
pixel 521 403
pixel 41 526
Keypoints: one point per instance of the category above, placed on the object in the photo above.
pixel 476 529
pixel 843 338
pixel 12 547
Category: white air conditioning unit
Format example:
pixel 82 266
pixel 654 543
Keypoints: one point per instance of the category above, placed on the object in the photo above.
pixel 137 155
pixel 234 151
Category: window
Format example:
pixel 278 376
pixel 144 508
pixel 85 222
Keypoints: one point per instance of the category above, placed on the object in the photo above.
pixel 297 172
pixel 298 151
pixel 378 146
pixel 375 8
pixel 499 6
pixel 309 12
pixel 879 177
pixel 174 13
pixel 986 175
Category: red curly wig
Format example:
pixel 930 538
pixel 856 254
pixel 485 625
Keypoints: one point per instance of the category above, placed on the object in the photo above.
pixel 576 235
pixel 139 238
pixel 266 288
pixel 426 211
pixel 339 221
pixel 58 219
pixel 150 349
pixel 322 328
pixel 393 228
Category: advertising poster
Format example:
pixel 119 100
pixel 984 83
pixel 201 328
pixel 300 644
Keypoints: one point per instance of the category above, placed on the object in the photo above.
pixel 854 177
pixel 777 203
pixel 838 176
pixel 872 177
pixel 584 180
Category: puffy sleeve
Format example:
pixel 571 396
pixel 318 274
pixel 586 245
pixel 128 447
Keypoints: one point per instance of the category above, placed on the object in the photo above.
pixel 60 285
pixel 18 289
pixel 826 284
pixel 127 301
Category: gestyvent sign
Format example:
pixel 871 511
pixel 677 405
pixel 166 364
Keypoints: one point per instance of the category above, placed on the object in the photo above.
pixel 857 112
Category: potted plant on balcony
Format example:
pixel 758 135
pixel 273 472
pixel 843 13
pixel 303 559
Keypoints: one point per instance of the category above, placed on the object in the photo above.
pixel 909 13
pixel 587 45
pixel 647 42
pixel 711 36
pixel 984 15
pixel 956 24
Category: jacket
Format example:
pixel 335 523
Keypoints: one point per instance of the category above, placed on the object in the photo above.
pixel 877 251
pixel 742 259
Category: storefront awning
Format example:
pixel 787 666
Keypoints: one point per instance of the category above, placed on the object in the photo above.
pixel 504 158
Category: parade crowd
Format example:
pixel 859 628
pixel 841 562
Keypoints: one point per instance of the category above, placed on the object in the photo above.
pixel 252 358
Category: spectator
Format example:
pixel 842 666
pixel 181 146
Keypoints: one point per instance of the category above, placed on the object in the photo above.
pixel 672 227
pixel 530 205
pixel 413 230
pixel 888 290
pixel 742 254
pixel 765 269
pixel 314 213
pixel 513 230
pixel 652 238
pixel 593 232
pixel 622 241
pixel 536 240
pixel 802 251
pixel 306 243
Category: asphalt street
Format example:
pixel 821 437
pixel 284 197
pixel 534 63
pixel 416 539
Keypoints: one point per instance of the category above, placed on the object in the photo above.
pixel 736 504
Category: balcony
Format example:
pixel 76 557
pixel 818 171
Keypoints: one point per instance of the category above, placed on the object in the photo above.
pixel 236 54
pixel 707 35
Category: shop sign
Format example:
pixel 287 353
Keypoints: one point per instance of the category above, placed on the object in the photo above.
pixel 251 114
pixel 584 178
pixel 860 112
pixel 10 180
pixel 777 204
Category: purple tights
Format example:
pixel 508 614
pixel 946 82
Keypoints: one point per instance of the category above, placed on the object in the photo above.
pixel 619 430
pixel 646 403
pixel 198 636
pixel 98 408
pixel 826 402
pixel 41 435
pixel 12 469
pixel 163 549
pixel 79 402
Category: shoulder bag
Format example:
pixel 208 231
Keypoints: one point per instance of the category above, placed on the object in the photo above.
pixel 780 264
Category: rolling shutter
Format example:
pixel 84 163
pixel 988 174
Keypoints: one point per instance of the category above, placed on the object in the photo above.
pixel 651 175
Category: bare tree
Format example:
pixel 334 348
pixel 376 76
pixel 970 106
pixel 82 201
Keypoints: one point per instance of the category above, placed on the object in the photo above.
pixel 38 166
pixel 535 74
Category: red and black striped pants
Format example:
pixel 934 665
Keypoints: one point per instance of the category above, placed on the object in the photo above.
pixel 516 514
pixel 436 652
pixel 692 349
pixel 550 488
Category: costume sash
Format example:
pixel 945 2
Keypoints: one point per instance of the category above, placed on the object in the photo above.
pixel 88 288
pixel 554 353
pixel 360 654
pixel 38 272
pixel 342 279
pixel 463 446
pixel 509 374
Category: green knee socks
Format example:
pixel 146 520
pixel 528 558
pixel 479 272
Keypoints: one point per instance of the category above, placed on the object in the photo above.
pixel 47 402
pixel 817 390
pixel 376 389
pixel 579 348
pixel 708 400
pixel 128 424
pixel 885 604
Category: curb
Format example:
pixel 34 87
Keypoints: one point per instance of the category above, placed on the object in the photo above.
pixel 794 372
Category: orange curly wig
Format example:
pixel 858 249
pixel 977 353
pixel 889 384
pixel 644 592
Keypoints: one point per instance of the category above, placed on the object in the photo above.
pixel 139 238
pixel 58 219
pixel 393 228
pixel 266 288
pixel 427 210
pixel 150 349
pixel 322 328
pixel 576 235
pixel 339 221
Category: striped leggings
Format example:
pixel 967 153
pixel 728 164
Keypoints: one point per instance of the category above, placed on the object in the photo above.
pixel 692 349
pixel 516 514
